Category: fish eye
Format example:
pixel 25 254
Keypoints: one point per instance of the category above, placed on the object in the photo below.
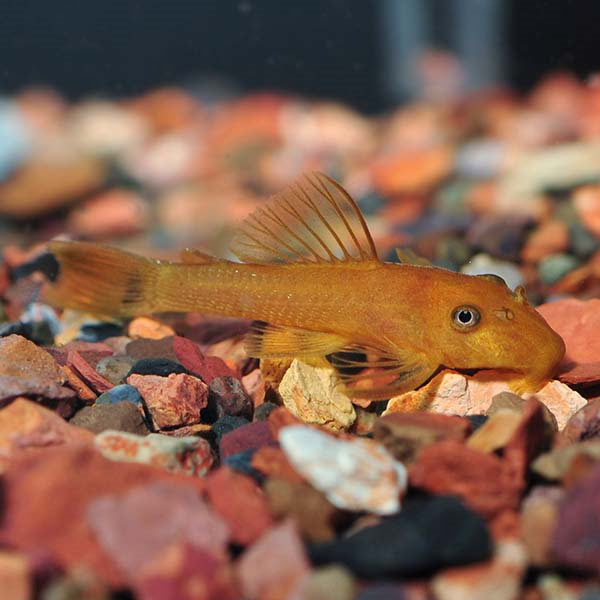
pixel 465 317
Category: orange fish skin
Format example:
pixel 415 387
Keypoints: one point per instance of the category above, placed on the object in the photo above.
pixel 405 308
pixel 409 307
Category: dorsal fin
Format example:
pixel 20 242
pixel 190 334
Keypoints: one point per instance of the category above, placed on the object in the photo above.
pixel 314 220
pixel 408 257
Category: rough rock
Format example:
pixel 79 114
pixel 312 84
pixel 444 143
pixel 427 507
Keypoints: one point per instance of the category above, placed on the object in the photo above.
pixel 190 355
pixel 123 416
pixel 230 397
pixel 274 565
pixel 583 425
pixel 497 579
pixel 560 400
pixel 226 424
pixel 255 386
pixel 575 321
pixel 25 424
pixel 185 572
pixel 145 327
pixel 404 434
pixel 149 348
pixel 120 393
pixel 273 462
pixel 171 401
pixel 576 540
pixel 539 516
pixel 313 395
pixel 495 432
pixel 88 373
pixel 247 437
pixel 59 529
pixel 314 515
pixel 188 455
pixel 449 467
pixel 241 503
pixel 328 583
pixel 27 369
pixel 134 526
pixel 451 393
pixel 532 436
pixel 356 474
pixel 555 464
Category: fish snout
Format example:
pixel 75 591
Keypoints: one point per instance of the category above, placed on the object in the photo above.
pixel 546 351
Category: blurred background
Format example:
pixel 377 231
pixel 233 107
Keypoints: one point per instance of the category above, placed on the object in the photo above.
pixel 467 130
pixel 364 52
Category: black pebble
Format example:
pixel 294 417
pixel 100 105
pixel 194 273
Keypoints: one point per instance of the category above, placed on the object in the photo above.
pixel 383 591
pixel 38 332
pixel 226 424
pixel 477 421
pixel 230 397
pixel 263 411
pixel 156 366
pixel 97 332
pixel 242 462
pixel 426 535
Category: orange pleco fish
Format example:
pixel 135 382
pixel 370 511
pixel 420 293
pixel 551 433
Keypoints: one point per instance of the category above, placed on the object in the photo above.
pixel 311 280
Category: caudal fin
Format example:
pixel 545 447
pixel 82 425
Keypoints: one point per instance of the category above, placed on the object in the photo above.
pixel 102 280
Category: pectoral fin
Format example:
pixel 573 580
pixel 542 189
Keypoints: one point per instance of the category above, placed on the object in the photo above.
pixel 376 374
pixel 272 341
pixel 364 371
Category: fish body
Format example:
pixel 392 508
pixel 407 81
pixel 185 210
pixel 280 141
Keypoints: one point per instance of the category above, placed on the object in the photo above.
pixel 313 282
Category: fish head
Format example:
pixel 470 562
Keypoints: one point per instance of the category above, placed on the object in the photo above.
pixel 483 324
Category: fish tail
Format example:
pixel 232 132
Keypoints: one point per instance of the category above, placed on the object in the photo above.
pixel 103 281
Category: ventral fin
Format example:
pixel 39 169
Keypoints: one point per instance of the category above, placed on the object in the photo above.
pixel 408 257
pixel 191 256
pixel 314 220
pixel 374 374
pixel 272 341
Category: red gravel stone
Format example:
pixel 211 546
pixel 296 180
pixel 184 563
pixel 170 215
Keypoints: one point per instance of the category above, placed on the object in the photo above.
pixel 405 434
pixel 583 425
pixel 98 383
pixel 241 502
pixel 171 401
pixel 273 462
pixel 92 352
pixel 187 573
pixel 135 526
pixel 532 437
pixel 247 437
pixel 190 355
pixel 272 567
pixel 484 481
pixel 577 322
pixel 46 496
pixel 25 424
pixel 279 418
pixel 576 540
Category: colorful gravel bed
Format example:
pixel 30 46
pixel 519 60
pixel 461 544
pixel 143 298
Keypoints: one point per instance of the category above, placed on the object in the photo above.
pixel 151 458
